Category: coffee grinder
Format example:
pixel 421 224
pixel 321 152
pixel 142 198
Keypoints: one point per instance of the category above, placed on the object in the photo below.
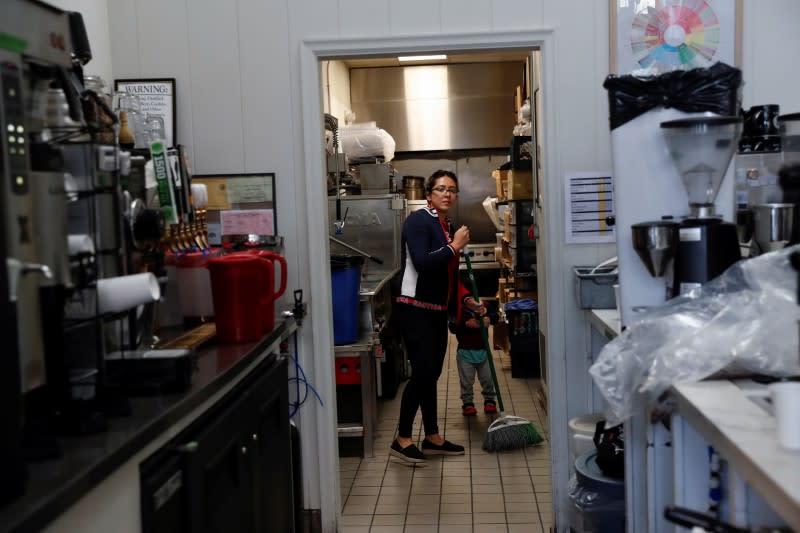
pixel 701 148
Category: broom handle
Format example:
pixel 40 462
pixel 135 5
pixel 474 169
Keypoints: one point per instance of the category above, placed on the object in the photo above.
pixel 486 345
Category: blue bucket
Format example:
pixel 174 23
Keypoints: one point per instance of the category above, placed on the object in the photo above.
pixel 345 289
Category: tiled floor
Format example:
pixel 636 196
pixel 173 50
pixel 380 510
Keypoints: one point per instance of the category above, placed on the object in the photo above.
pixel 478 492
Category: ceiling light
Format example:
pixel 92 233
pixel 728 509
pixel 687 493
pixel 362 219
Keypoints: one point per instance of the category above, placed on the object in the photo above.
pixel 422 58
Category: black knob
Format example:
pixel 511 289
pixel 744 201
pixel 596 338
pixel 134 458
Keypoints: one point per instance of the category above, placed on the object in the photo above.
pixel 611 220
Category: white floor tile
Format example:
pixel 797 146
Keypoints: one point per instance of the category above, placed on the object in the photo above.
pixel 478 492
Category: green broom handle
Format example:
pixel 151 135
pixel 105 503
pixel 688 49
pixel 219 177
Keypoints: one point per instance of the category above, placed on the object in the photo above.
pixel 485 333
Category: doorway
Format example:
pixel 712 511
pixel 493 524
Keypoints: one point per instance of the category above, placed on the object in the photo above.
pixel 312 53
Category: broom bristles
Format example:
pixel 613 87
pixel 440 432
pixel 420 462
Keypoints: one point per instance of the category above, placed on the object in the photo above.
pixel 510 433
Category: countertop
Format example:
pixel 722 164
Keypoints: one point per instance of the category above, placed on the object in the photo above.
pixel 607 321
pixel 53 486
pixel 744 433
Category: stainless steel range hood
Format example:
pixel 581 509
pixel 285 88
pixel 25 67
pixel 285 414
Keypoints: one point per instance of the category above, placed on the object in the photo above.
pixel 439 107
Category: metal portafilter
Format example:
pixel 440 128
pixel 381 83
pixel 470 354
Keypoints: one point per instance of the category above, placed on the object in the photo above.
pixel 656 243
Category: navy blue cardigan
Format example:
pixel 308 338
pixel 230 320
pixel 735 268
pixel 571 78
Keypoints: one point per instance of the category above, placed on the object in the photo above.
pixel 425 263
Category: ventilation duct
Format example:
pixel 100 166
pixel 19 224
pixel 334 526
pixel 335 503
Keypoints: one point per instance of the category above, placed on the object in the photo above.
pixel 440 107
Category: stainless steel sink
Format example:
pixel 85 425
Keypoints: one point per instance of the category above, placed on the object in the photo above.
pixel 373 281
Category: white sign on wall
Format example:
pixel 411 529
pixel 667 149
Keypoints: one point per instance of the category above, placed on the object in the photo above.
pixel 156 97
pixel 589 200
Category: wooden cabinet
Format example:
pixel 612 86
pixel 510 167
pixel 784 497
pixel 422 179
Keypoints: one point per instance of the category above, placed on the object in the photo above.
pixel 231 470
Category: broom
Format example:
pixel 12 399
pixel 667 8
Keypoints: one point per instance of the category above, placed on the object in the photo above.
pixel 507 432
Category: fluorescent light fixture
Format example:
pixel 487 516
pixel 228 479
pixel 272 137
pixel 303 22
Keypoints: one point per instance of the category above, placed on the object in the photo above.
pixel 422 58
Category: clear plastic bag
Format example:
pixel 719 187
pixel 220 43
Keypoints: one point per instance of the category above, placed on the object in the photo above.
pixel 366 141
pixel 744 322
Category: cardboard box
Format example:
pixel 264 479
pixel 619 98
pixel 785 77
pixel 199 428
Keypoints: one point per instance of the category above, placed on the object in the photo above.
pixel 500 184
pixel 520 185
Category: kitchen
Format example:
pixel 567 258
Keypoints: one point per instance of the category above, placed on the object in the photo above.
pixel 269 71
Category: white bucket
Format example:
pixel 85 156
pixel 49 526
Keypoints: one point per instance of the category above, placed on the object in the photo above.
pixel 581 432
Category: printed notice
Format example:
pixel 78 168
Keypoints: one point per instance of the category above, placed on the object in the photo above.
pixel 250 190
pixel 248 222
pixel 589 199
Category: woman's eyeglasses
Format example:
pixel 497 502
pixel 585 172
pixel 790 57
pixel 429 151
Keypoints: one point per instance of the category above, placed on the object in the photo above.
pixel 442 189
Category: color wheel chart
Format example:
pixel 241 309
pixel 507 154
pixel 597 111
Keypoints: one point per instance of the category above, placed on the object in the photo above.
pixel 677 36
pixel 664 35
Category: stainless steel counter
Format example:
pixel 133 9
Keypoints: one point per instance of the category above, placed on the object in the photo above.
pixel 375 303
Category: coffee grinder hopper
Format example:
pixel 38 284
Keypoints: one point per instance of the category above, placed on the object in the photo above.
pixel 701 149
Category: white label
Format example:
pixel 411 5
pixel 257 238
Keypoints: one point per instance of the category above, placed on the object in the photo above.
pixel 689 234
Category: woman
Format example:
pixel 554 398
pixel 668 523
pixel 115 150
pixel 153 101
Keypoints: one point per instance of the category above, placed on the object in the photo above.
pixel 430 290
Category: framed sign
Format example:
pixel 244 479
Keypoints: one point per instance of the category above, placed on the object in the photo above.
pixel 239 204
pixel 665 35
pixel 157 97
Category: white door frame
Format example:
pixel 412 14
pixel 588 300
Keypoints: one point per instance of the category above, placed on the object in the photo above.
pixel 315 193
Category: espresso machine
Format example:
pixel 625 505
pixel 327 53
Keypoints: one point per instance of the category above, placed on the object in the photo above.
pixel 701 148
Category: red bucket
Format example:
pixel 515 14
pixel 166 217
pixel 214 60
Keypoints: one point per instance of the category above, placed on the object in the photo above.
pixel 242 286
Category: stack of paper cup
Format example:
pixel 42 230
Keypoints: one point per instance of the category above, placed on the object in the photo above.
pixel 785 401
pixel 124 292
pixel 80 244
pixel 199 195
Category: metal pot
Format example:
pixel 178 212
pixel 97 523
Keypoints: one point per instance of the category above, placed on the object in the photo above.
pixel 414 187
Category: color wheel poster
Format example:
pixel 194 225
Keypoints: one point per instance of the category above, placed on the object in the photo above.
pixel 657 36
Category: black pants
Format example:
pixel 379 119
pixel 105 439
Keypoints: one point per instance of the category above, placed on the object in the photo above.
pixel 425 337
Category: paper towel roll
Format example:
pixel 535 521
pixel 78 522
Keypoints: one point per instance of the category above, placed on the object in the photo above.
pixel 124 292
pixel 80 244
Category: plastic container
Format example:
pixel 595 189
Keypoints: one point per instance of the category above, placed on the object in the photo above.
pixel 598 500
pixel 345 289
pixel 581 431
pixel 194 286
pixel 240 286
pixel 595 290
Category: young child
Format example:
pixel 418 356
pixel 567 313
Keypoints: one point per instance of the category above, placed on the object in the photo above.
pixel 472 358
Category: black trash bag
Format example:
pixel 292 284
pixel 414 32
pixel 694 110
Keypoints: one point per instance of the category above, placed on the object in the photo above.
pixel 610 445
pixel 714 89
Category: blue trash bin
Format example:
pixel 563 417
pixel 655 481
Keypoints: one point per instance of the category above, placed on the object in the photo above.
pixel 345 289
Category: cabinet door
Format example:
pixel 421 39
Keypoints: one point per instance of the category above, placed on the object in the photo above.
pixel 219 475
pixel 272 467
pixel 164 495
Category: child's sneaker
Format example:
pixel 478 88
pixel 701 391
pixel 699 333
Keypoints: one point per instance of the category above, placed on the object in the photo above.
pixel 468 409
pixel 489 408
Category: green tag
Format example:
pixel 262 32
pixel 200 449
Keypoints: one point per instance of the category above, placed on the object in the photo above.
pixel 159 156
pixel 13 43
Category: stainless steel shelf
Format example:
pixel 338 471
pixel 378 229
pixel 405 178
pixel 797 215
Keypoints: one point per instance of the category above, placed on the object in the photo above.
pixel 350 430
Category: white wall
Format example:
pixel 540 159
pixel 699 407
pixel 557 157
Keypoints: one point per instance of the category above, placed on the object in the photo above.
pixel 336 89
pixel 95 18
pixel 237 66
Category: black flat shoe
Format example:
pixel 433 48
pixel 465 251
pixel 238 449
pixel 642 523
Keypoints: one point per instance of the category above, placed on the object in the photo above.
pixel 445 448
pixel 409 454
